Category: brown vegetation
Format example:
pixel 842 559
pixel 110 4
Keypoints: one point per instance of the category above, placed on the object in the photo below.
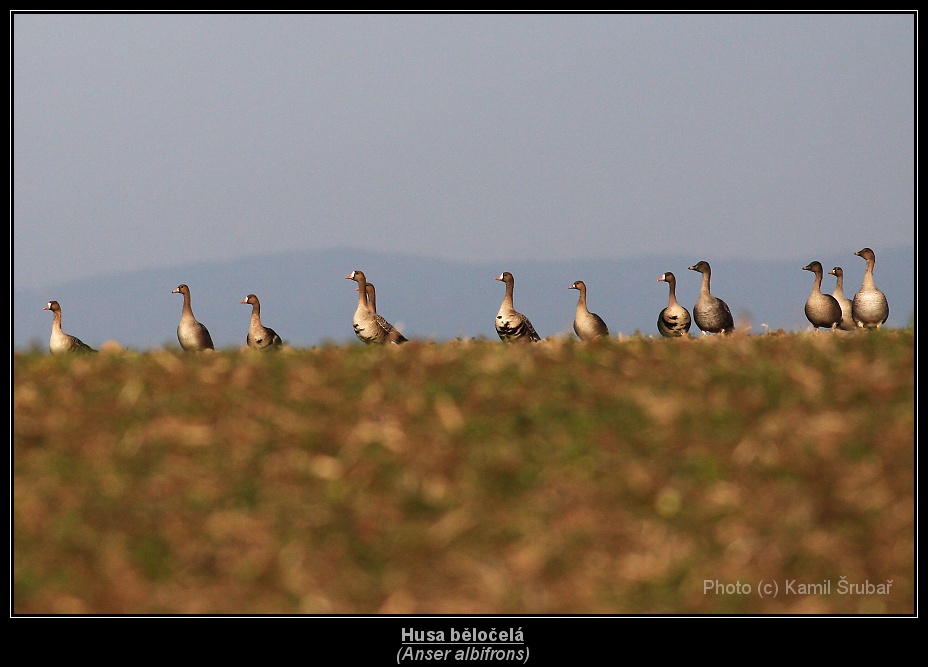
pixel 615 477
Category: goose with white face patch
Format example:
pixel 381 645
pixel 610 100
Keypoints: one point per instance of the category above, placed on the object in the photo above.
pixel 369 327
pixel 673 321
pixel 60 342
pixel 511 325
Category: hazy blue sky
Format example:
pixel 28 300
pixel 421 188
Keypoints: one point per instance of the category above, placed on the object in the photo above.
pixel 145 140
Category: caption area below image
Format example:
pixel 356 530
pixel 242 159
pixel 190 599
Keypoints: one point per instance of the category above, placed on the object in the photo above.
pixel 466 644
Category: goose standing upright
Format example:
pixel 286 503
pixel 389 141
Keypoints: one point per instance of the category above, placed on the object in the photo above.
pixel 870 309
pixel 371 296
pixel 673 321
pixel 822 310
pixel 370 327
pixel 260 337
pixel 511 325
pixel 192 335
pixel 847 320
pixel 60 342
pixel 587 325
pixel 712 315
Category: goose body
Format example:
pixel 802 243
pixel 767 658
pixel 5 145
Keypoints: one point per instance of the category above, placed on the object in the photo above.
pixel 711 314
pixel 673 321
pixel 511 325
pixel 193 336
pixel 869 309
pixel 587 325
pixel 260 337
pixel 369 327
pixel 847 320
pixel 60 342
pixel 822 310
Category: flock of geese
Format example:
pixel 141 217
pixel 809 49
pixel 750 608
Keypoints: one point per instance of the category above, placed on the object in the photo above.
pixel 869 309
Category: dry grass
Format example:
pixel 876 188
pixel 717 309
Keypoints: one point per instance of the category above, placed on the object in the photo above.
pixel 468 477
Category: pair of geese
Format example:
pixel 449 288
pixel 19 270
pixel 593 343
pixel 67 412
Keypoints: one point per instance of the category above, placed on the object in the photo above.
pixel 869 309
pixel 193 336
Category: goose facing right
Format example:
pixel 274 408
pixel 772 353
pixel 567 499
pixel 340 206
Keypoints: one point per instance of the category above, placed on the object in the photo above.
pixel 60 342
pixel 511 325
pixel 192 335
pixel 847 319
pixel 260 337
pixel 370 327
pixel 673 321
pixel 587 325
pixel 822 310
pixel 711 314
pixel 870 309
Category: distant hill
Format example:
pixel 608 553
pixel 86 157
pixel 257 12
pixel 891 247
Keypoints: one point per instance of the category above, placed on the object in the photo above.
pixel 305 297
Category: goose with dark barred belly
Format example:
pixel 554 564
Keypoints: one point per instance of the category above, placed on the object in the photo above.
pixel 673 321
pixel 511 325
pixel 260 337
pixel 369 327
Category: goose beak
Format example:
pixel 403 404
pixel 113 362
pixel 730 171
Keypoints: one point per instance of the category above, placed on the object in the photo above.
pixel 244 301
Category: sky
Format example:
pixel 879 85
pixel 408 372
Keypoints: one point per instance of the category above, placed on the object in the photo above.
pixel 143 140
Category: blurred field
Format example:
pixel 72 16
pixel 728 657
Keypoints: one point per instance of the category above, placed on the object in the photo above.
pixel 469 477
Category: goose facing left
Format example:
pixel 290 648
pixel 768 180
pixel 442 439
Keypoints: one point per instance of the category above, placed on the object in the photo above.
pixel 587 325
pixel 822 310
pixel 711 314
pixel 673 321
pixel 847 319
pixel 511 325
pixel 60 342
pixel 260 337
pixel 870 309
pixel 193 336
pixel 370 327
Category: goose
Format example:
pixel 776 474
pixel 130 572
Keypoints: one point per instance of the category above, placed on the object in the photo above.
pixel 673 321
pixel 60 342
pixel 371 296
pixel 370 327
pixel 869 308
pixel 822 310
pixel 712 315
pixel 847 321
pixel 512 325
pixel 587 325
pixel 192 335
pixel 260 337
